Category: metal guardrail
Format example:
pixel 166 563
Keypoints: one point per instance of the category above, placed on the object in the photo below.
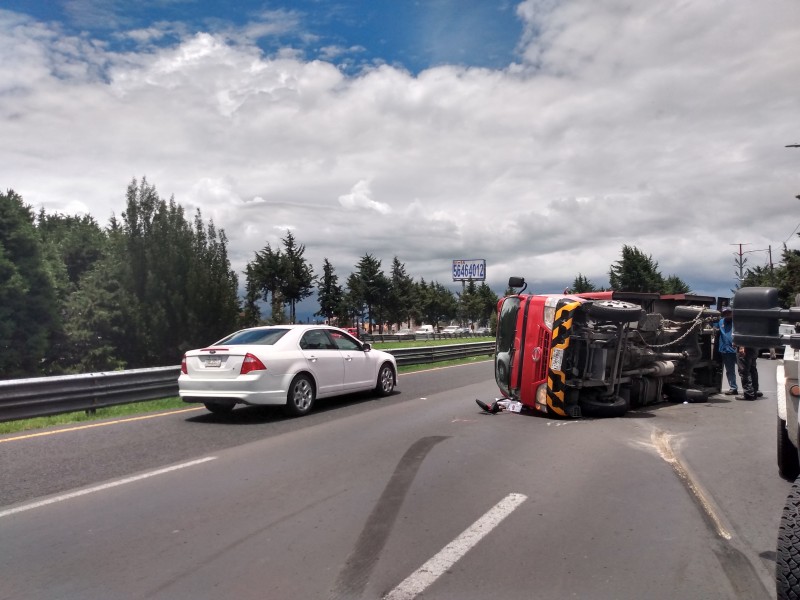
pixel 428 354
pixel 44 396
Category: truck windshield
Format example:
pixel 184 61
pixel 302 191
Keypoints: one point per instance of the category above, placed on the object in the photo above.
pixel 506 328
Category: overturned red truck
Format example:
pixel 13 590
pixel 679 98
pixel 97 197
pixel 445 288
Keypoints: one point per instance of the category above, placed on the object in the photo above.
pixel 600 353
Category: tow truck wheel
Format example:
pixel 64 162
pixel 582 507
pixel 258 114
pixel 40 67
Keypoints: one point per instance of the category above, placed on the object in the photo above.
pixel 595 407
pixel 615 310
pixel 787 567
pixel 788 460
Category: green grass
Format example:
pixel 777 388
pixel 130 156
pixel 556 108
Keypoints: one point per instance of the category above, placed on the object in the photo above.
pixel 138 408
pixel 422 343
pixel 111 412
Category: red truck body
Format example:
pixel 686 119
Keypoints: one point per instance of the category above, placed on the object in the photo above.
pixel 600 353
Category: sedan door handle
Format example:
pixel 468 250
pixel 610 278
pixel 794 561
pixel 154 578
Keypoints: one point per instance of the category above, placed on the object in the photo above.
pixel 348 358
pixel 312 358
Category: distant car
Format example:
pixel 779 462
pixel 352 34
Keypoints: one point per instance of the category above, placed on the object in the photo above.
pixel 464 331
pixel 783 329
pixel 406 332
pixel 483 331
pixel 452 329
pixel 352 331
pixel 288 365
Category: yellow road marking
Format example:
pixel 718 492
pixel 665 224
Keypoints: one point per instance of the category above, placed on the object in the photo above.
pixel 91 425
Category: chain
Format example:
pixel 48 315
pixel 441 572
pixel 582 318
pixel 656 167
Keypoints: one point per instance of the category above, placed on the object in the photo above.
pixel 697 322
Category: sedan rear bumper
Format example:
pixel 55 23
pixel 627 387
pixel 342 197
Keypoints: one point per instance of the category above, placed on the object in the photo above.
pixel 227 391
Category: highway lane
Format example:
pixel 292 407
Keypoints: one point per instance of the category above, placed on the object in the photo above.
pixel 350 502
pixel 37 465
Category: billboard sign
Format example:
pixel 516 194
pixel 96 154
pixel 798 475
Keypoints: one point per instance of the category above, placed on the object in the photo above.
pixel 474 268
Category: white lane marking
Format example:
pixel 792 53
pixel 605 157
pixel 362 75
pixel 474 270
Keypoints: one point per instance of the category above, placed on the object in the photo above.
pixel 100 488
pixel 423 577
pixel 27 436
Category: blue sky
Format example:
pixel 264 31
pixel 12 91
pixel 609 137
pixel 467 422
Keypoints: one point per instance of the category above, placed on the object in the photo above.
pixel 353 33
pixel 540 135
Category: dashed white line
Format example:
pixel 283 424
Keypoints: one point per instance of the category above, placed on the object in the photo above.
pixel 419 580
pixel 100 488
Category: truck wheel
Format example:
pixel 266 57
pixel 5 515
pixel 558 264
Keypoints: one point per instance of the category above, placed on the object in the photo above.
pixel 615 310
pixel 787 567
pixel 788 460
pixel 595 407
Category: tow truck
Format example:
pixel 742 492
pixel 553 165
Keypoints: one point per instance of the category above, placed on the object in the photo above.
pixel 759 321
pixel 601 353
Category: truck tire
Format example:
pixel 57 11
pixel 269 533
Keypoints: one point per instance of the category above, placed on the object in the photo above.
pixel 604 409
pixel 788 459
pixel 787 567
pixel 615 310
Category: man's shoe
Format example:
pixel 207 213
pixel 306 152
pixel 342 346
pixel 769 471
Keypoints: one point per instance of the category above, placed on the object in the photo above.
pixel 759 394
pixel 731 392
pixel 745 397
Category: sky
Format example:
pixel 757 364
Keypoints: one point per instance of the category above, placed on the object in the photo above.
pixel 539 135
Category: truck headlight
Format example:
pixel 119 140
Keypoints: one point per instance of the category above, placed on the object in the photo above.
pixel 550 312
pixel 541 398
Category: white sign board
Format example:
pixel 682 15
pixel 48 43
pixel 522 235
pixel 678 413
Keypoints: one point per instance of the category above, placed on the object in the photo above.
pixel 474 269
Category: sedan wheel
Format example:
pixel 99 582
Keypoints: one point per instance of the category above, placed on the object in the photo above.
pixel 218 408
pixel 300 398
pixel 385 384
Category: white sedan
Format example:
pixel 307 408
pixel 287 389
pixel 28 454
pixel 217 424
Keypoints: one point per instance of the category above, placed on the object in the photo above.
pixel 289 365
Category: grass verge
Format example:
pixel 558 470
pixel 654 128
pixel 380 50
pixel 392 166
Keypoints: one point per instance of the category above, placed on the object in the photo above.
pixel 137 408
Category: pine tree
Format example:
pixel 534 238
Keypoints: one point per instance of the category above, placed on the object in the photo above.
pixel 29 315
pixel 329 292
pixel 635 272
pixel 298 275
pixel 582 285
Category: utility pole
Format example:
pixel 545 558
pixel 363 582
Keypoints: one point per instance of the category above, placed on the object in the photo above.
pixel 771 267
pixel 740 262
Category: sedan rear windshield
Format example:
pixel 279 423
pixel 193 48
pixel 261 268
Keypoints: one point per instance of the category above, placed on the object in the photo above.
pixel 263 337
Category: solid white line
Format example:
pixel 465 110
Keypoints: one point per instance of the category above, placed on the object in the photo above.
pixel 100 488
pixel 420 579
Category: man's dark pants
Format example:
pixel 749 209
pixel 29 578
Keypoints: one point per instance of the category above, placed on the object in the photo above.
pixel 748 372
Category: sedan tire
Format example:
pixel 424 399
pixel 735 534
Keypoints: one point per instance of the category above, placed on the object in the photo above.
pixel 385 385
pixel 219 408
pixel 300 397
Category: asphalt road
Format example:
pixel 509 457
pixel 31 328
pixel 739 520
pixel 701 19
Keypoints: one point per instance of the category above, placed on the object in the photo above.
pixel 417 495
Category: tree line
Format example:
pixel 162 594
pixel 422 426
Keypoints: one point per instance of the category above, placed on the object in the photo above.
pixel 78 297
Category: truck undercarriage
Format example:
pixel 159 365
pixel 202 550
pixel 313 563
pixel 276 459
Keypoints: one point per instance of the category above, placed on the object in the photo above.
pixel 601 353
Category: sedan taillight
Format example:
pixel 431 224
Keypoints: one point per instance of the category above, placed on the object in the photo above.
pixel 251 363
pixel 183 365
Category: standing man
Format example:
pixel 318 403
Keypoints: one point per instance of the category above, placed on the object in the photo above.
pixel 727 350
pixel 748 372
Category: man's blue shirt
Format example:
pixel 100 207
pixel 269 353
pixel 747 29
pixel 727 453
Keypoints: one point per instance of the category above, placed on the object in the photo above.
pixel 725 327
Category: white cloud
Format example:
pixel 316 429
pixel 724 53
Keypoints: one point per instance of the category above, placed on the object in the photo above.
pixel 360 197
pixel 660 125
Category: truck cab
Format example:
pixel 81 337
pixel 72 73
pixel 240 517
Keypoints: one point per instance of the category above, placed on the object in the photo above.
pixel 600 353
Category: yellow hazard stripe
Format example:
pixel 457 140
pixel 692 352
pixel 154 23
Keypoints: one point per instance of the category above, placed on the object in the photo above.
pixel 556 380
